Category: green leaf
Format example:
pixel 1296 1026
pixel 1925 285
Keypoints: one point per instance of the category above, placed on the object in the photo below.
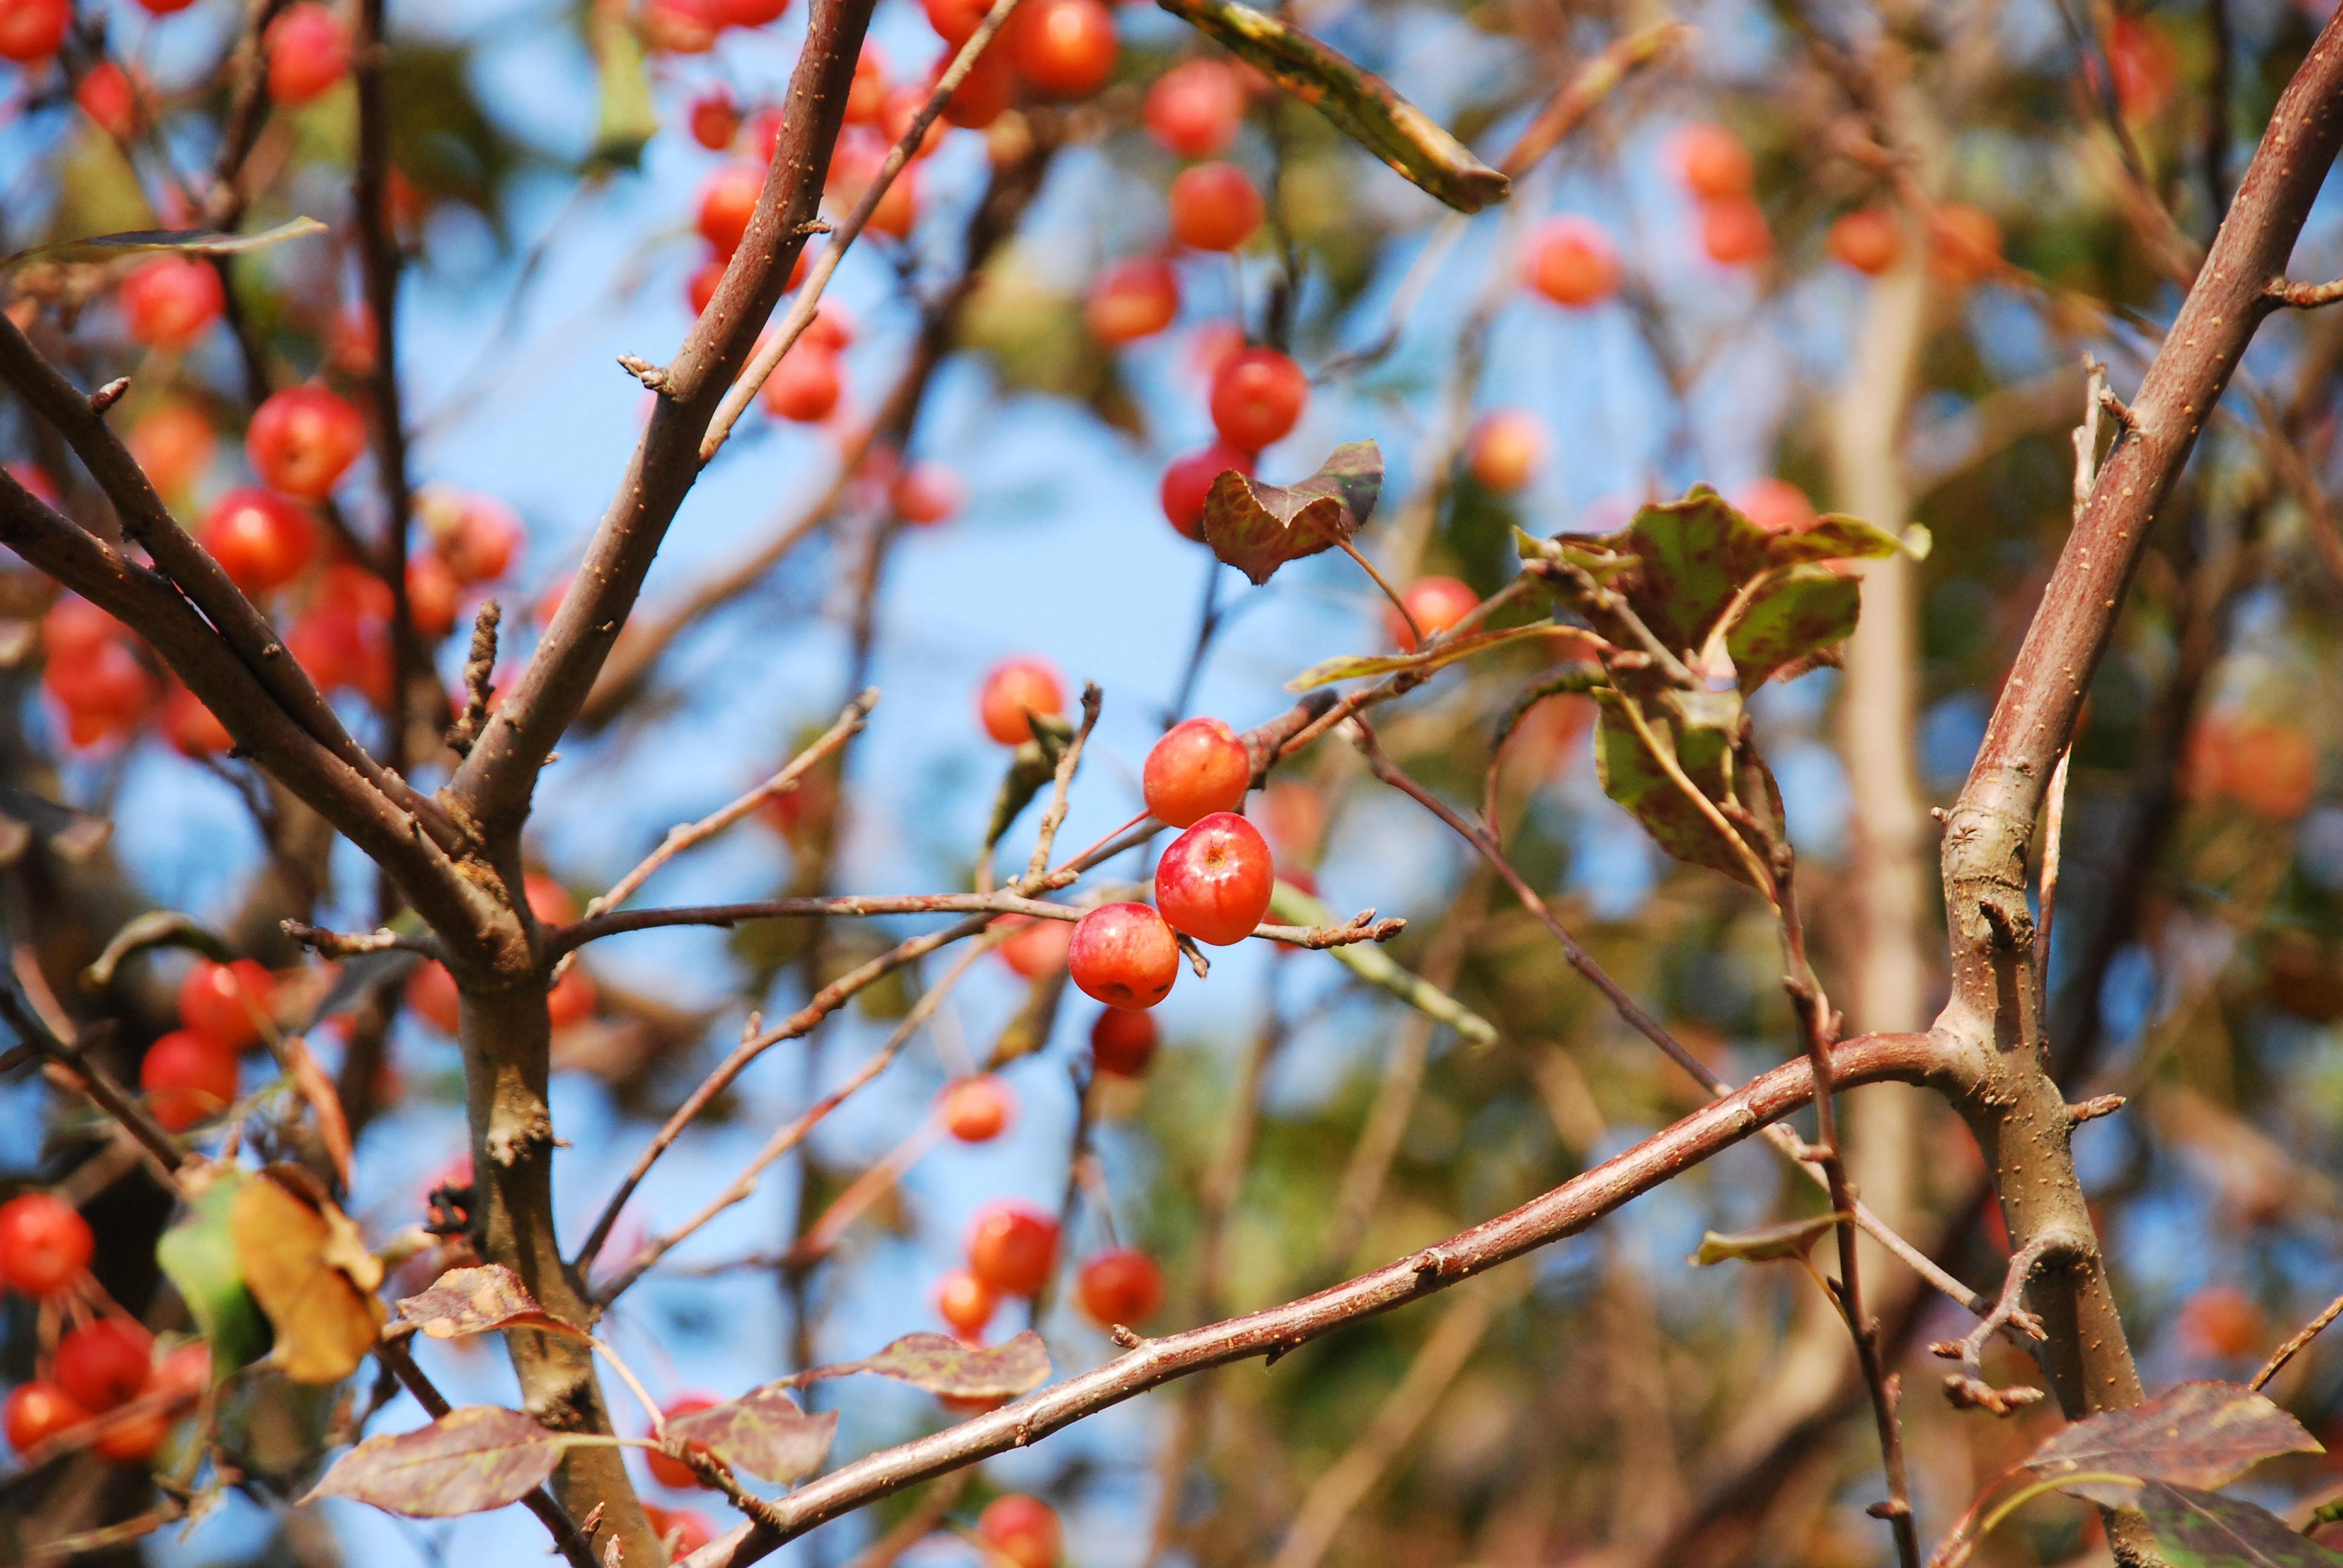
pixel 2196 1434
pixel 1361 104
pixel 1799 613
pixel 475 1458
pixel 627 118
pixel 1575 642
pixel 198 1256
pixel 763 1432
pixel 1632 775
pixel 1257 528
pixel 1772 1243
pixel 1294 907
pixel 187 241
pixel 2197 1529
pixel 942 1364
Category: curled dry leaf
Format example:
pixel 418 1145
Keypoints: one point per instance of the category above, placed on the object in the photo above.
pixel 306 1265
pixel 942 1364
pixel 187 241
pixel 1569 642
pixel 1771 1244
pixel 2200 1434
pixel 1257 528
pixel 763 1432
pixel 474 1458
pixel 475 1300
pixel 1361 104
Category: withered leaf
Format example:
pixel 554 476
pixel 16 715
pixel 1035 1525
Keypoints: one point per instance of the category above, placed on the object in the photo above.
pixel 187 241
pixel 1570 643
pixel 1771 1244
pixel 942 1364
pixel 306 1265
pixel 475 1300
pixel 2196 1434
pixel 1257 528
pixel 763 1432
pixel 2198 1529
pixel 474 1458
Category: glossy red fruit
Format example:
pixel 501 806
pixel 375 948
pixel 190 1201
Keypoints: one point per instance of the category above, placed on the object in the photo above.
pixel 750 13
pixel 979 1109
pixel 715 119
pixel 164 7
pixel 167 302
pixel 572 1000
pixel 955 20
pixel 926 494
pixel 1777 506
pixel 805 386
pixel 1713 162
pixel 1014 691
pixel 192 729
pixel 1063 48
pixel 107 96
pixel 1198 767
pixel 1213 207
pixel 1012 1248
pixel 74 630
pixel 1122 1286
pixel 701 289
pixel 44 1245
pixel 682 1531
pixel 1257 396
pixel 681 26
pixel 480 540
pixel 174 443
pixel 1436 604
pixel 866 95
pixel 226 1002
pixel 431 993
pixel 902 106
pixel 104 694
pixel 1505 449
pixel 1963 243
pixel 131 1439
pixel 1572 262
pixel 1039 948
pixel 1214 881
pixel 260 538
pixel 308 51
pixel 1023 1529
pixel 1734 232
pixel 1195 107
pixel 33 29
pixel 104 1362
pixel 187 1079
pixel 965 1302
pixel 670 1472
pixel 984 93
pixel 432 592
pixel 1188 480
pixel 1867 239
pixel 342 650
pixel 726 202
pixel 831 328
pixel 548 899
pixel 1122 1041
pixel 1124 956
pixel 1133 299
pixel 303 439
pixel 37 1412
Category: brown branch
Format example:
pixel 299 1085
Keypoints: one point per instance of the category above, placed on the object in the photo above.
pixel 1563 1211
pixel 2015 1107
pixel 2293 1346
pixel 2303 295
pixel 378 259
pixel 494 783
pixel 92 1079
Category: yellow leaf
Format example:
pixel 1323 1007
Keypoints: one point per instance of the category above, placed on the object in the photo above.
pixel 305 1263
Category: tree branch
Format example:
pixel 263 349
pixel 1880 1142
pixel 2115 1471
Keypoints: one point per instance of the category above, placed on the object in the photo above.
pixel 495 782
pixel 1563 1211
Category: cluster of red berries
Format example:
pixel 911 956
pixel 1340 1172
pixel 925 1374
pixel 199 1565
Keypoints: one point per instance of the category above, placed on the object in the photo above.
pixel 190 1074
pixel 99 1365
pixel 1716 168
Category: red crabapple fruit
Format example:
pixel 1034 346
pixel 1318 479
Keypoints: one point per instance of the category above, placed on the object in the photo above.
pixel 1124 956
pixel 1214 882
pixel 1198 767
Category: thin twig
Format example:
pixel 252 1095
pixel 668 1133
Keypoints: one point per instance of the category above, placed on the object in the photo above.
pixel 2293 1346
